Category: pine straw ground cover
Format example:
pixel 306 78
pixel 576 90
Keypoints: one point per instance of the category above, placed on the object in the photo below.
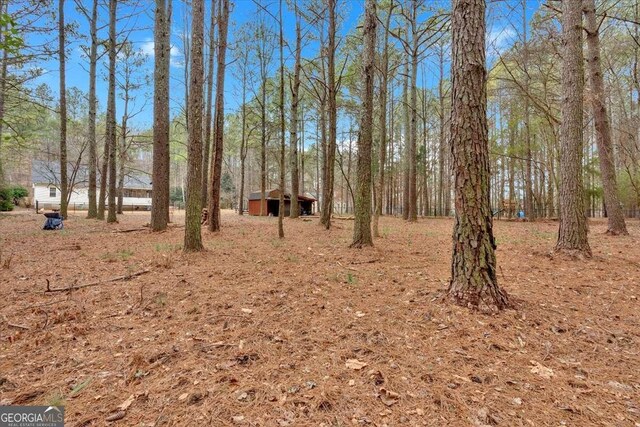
pixel 303 331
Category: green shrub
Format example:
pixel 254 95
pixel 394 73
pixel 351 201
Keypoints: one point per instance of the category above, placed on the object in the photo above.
pixel 18 193
pixel 9 196
pixel 6 199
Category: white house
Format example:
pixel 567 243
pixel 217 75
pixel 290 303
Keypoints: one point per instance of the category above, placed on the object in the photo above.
pixel 45 183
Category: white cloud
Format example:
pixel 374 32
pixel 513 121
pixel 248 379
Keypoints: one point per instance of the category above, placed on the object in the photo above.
pixel 500 38
pixel 147 48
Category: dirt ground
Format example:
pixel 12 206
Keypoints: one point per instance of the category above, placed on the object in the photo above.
pixel 258 331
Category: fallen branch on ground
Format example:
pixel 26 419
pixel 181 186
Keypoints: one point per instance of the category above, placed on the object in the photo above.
pixel 130 230
pixel 101 282
pixel 369 261
pixel 14 325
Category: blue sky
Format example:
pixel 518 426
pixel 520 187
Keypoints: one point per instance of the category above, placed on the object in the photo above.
pixel 501 18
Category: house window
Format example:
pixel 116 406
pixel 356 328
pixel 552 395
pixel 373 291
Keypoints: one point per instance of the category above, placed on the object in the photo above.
pixel 52 191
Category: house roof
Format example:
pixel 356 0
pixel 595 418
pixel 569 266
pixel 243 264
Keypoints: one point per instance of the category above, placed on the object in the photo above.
pixel 48 173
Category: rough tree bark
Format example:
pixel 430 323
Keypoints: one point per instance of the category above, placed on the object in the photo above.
pixel 263 124
pixel 243 138
pixel 208 115
pixel 193 209
pixel 384 81
pixel 161 163
pixel 330 160
pixel 473 269
pixel 64 183
pixel 442 139
pixel 111 112
pixel 412 214
pixel 91 131
pixel 104 169
pixel 529 210
pixel 572 233
pixel 615 216
pixel 362 213
pixel 293 140
pixel 122 157
pixel 406 143
pixel 282 138
pixel 218 125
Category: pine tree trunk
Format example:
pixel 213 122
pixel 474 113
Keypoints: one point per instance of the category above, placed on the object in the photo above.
pixel 64 182
pixel 93 145
pixel 473 269
pixel 442 141
pixel 293 140
pixel 104 169
pixel 384 81
pixel 218 125
pixel 161 158
pixel 392 151
pixel 572 235
pixel 406 143
pixel 263 145
pixel 122 158
pixel 412 214
pixel 111 113
pixel 243 142
pixel 551 211
pixel 330 159
pixel 294 197
pixel 529 209
pixel 512 172
pixel 193 209
pixel 317 148
pixel 425 176
pixel 362 212
pixel 615 216
pixel 301 150
pixel 208 115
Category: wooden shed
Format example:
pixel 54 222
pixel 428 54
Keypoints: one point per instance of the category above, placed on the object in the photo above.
pixel 272 203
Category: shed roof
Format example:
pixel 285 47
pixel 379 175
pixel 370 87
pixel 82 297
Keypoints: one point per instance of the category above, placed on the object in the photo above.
pixel 269 195
pixel 275 195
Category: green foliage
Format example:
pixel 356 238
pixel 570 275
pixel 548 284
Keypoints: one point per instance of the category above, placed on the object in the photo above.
pixel 11 40
pixel 351 279
pixel 19 192
pixel 10 196
pixel 125 254
pixel 6 199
